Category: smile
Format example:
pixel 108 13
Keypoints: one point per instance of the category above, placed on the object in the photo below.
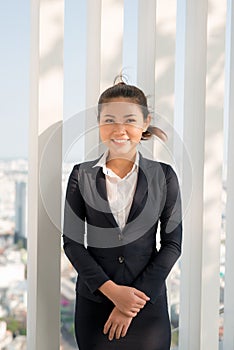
pixel 120 141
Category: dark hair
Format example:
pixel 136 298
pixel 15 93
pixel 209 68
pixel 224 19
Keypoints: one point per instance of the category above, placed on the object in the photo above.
pixel 137 96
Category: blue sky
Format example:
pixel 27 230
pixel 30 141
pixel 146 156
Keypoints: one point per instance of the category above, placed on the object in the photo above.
pixel 14 67
pixel 14 82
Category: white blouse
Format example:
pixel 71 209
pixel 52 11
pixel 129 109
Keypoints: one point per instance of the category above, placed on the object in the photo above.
pixel 120 191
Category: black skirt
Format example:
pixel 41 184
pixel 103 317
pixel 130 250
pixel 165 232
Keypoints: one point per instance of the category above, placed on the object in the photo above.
pixel 149 330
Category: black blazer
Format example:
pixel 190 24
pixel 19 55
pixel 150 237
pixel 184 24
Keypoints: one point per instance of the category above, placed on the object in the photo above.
pixel 99 250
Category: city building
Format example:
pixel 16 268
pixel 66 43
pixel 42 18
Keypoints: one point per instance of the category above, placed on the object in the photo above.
pixel 21 213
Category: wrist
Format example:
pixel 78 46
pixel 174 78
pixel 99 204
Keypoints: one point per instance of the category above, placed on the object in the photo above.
pixel 108 289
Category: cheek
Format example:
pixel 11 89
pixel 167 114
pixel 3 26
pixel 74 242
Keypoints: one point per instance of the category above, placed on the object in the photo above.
pixel 135 133
pixel 104 132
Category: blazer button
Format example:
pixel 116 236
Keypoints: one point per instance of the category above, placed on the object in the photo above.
pixel 121 259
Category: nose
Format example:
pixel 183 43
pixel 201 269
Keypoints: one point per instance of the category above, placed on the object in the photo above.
pixel 120 127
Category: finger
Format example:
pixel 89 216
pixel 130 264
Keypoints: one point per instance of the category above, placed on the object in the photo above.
pixel 124 330
pixel 140 306
pixel 129 313
pixel 107 326
pixel 112 332
pixel 132 313
pixel 138 303
pixel 141 303
pixel 135 310
pixel 141 295
pixel 118 331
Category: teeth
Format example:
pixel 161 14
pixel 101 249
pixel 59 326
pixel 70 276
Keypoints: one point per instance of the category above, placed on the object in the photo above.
pixel 120 141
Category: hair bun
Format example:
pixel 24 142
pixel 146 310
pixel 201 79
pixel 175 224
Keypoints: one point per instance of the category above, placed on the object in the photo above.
pixel 154 130
pixel 120 79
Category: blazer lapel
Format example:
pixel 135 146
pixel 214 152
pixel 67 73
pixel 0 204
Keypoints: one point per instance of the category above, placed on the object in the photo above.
pixel 140 193
pixel 101 188
pixel 143 182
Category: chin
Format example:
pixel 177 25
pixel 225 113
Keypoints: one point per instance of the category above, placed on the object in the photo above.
pixel 122 152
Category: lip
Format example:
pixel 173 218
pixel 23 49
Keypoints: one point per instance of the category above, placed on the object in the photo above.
pixel 120 140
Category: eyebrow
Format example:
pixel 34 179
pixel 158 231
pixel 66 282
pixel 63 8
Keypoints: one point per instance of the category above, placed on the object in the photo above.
pixel 125 116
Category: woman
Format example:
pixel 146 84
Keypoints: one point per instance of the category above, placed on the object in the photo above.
pixel 118 200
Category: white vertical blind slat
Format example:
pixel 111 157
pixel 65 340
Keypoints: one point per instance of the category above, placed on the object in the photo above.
pixel 93 76
pixel 45 164
pixel 146 47
pixel 213 179
pixel 112 29
pixel 190 87
pixel 146 50
pixel 229 115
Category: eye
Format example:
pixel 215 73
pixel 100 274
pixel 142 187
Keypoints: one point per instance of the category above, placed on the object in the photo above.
pixel 130 120
pixel 108 121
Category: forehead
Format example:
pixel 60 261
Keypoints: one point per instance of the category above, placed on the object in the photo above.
pixel 120 107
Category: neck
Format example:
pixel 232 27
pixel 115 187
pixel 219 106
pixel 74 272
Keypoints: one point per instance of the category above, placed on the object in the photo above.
pixel 121 165
pixel 121 159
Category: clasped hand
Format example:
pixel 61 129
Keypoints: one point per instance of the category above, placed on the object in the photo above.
pixel 128 302
pixel 117 324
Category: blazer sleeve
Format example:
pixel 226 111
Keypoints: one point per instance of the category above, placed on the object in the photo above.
pixel 151 280
pixel 73 236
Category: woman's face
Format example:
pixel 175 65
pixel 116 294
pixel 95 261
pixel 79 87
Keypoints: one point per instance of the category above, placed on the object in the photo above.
pixel 121 125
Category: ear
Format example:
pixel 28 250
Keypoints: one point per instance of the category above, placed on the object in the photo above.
pixel 147 122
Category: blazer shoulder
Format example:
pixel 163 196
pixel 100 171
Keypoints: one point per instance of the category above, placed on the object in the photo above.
pixel 86 165
pixel 78 169
pixel 166 168
pixel 169 173
pixel 155 163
